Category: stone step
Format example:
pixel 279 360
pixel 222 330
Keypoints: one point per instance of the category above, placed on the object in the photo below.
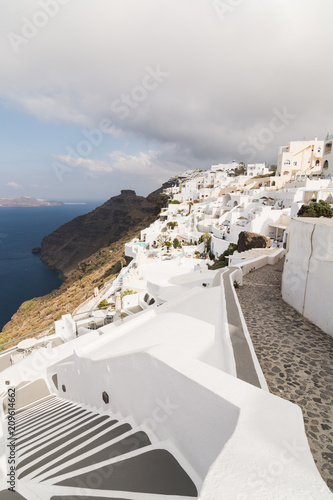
pixel 152 472
pixel 134 441
pixel 61 454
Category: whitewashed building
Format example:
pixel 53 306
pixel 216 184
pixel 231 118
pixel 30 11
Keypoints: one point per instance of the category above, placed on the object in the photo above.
pixel 254 169
pixel 327 170
pixel 300 157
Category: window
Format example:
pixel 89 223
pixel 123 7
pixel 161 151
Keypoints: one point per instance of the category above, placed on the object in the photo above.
pixel 325 166
pixel 295 163
pixel 287 162
pixel 328 148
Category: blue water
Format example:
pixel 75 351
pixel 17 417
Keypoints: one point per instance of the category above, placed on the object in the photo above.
pixel 23 275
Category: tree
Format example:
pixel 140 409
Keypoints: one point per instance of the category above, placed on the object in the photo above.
pixel 272 168
pixel 176 243
pixel 206 239
pixel 316 209
pixel 163 239
pixel 240 170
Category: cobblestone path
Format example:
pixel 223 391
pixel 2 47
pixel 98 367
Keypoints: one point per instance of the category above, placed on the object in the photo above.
pixel 295 356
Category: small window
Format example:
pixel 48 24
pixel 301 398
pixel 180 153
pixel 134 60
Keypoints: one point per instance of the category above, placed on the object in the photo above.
pixel 328 148
pixel 105 397
pixel 325 166
pixel 295 163
pixel 287 162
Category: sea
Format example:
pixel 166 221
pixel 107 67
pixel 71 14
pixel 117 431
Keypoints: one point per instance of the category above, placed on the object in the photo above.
pixel 23 275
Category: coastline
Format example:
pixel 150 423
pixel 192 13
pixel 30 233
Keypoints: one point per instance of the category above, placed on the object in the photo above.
pixel 24 276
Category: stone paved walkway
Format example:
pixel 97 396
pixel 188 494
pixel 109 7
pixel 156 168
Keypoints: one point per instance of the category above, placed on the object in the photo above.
pixel 295 356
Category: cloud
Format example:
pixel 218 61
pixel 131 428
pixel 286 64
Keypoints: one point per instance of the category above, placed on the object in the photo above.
pixel 226 75
pixel 150 164
pixel 14 185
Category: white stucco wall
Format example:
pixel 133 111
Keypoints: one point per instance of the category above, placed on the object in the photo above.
pixel 307 282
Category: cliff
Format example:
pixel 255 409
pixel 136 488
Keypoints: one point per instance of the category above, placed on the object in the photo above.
pixel 96 271
pixel 88 249
pixel 83 236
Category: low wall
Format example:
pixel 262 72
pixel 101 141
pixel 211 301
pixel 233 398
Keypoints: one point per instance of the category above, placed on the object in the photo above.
pixel 226 329
pixel 223 339
pixel 252 264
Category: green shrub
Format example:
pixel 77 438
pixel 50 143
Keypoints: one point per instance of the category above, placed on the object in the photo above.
pixel 172 224
pixel 103 304
pixel 176 243
pixel 218 265
pixel 316 209
pixel 175 202
pixel 127 292
pixel 222 260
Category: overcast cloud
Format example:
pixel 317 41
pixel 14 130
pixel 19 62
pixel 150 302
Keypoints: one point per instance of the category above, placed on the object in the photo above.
pixel 194 82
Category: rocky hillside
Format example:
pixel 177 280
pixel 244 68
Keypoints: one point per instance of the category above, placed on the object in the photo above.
pixel 88 251
pixel 83 236
pixel 97 270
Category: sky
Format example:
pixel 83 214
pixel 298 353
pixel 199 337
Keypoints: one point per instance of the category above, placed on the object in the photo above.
pixel 101 96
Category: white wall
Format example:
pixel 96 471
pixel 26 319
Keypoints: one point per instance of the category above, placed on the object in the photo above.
pixel 307 283
pixel 140 385
pixel 218 245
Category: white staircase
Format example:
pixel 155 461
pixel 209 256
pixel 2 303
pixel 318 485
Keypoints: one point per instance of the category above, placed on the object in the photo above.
pixel 74 448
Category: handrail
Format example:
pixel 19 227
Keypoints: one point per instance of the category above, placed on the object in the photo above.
pixel 29 335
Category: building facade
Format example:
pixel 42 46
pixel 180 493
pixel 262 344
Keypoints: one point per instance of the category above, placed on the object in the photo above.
pixel 327 164
pixel 300 158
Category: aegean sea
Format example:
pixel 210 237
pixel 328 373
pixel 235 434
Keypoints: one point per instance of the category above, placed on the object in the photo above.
pixel 23 275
